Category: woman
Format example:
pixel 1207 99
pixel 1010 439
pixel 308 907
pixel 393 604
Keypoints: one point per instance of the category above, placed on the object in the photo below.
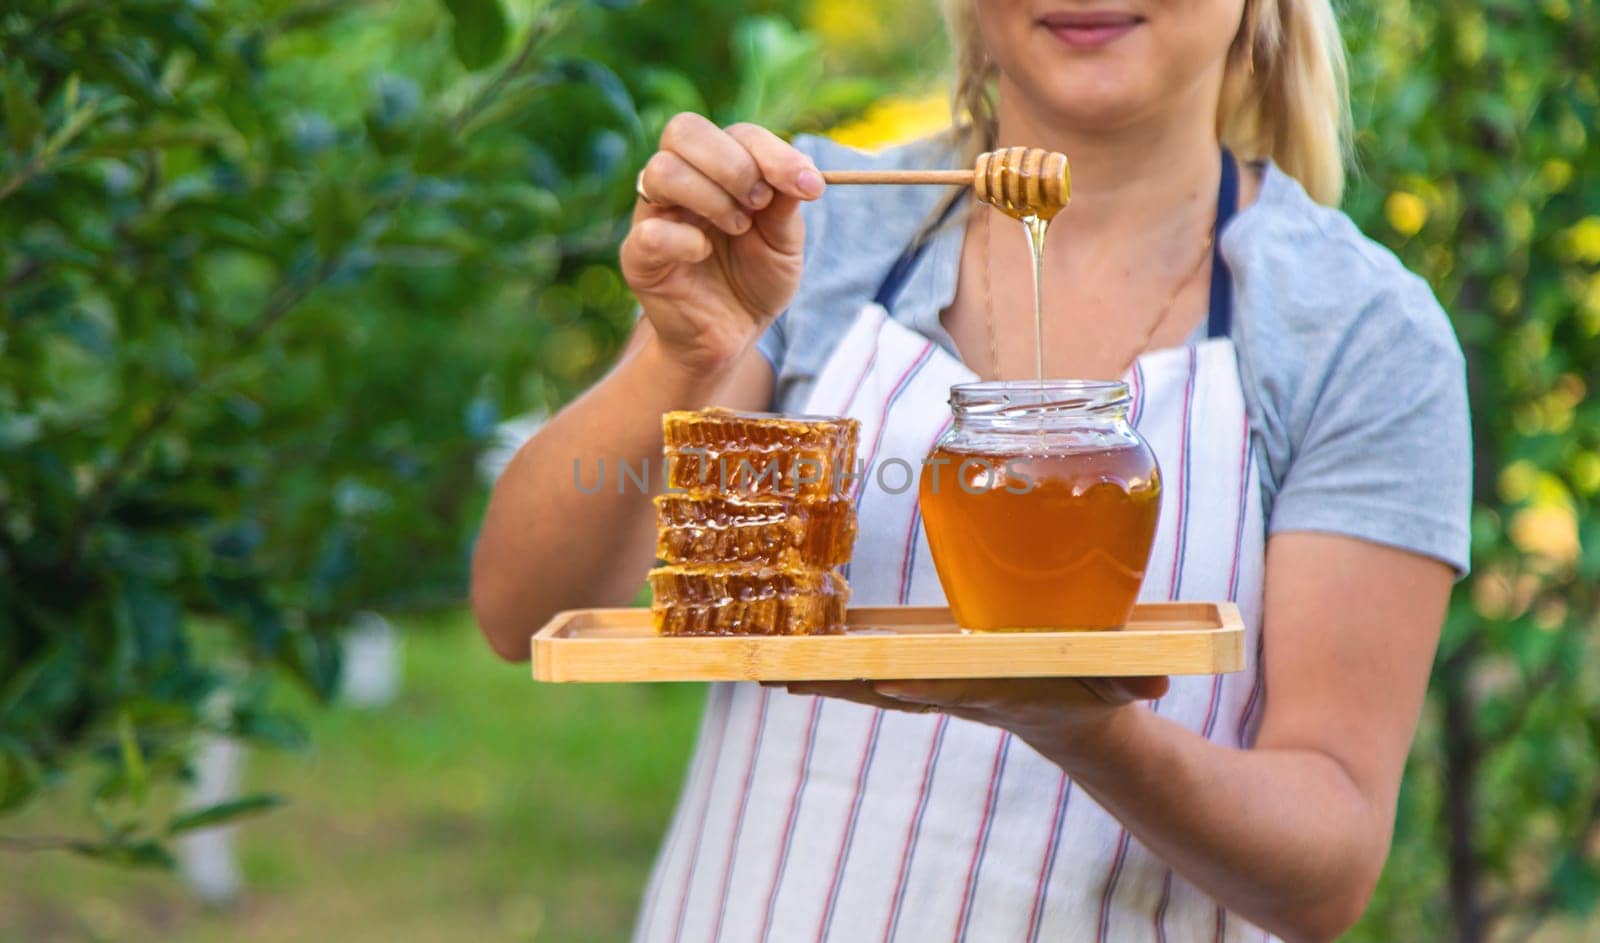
pixel 1304 393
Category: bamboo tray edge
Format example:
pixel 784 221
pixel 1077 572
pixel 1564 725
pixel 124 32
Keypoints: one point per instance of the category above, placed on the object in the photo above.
pixel 609 645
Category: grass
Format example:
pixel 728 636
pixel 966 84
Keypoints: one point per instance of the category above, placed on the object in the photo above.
pixel 479 806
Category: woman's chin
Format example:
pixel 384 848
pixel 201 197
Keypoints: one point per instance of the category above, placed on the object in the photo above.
pixel 1092 98
pixel 1100 112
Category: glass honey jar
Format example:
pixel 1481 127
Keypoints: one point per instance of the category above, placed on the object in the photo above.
pixel 1040 505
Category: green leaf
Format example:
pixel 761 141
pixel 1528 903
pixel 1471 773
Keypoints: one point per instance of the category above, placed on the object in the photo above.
pixel 1576 883
pixel 337 215
pixel 23 120
pixel 1589 562
pixel 846 96
pixel 779 67
pixel 592 74
pixel 336 565
pixel 134 771
pixel 18 430
pixel 143 854
pixel 391 118
pixel 222 812
pixel 41 688
pixel 672 90
pixel 76 122
pixel 272 729
pixel 155 618
pixel 1531 646
pixel 19 777
pixel 314 660
pixel 479 33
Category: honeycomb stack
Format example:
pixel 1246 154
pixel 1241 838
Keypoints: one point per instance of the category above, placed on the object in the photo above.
pixel 755 521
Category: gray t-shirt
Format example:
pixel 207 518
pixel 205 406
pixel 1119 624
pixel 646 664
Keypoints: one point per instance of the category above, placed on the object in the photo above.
pixel 1352 375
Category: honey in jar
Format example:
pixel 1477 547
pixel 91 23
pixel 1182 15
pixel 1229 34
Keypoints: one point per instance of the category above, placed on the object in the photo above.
pixel 1040 506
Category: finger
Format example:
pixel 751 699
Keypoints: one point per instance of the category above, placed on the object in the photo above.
pixel 672 182
pixel 782 164
pixel 1143 688
pixel 710 150
pixel 1103 692
pixel 654 245
pixel 1120 691
pixel 795 177
pixel 954 694
pixel 846 689
pixel 855 692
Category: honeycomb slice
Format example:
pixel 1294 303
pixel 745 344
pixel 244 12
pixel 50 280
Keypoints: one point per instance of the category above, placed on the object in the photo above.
pixel 775 531
pixel 720 600
pixel 720 451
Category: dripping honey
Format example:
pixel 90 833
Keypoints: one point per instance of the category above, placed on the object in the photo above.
pixel 1045 541
pixel 1029 185
pixel 1039 534
pixel 1037 226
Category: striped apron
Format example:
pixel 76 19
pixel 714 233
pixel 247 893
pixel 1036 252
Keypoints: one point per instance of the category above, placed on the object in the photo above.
pixel 807 818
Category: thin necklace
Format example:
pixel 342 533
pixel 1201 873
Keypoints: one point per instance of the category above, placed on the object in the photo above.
pixel 988 301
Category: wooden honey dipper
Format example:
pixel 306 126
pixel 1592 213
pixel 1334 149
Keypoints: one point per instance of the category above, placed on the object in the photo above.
pixel 1019 181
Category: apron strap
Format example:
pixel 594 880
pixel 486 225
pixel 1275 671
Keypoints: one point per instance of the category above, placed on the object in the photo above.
pixel 1220 320
pixel 900 271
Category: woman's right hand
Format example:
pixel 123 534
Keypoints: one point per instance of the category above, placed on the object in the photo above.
pixel 715 254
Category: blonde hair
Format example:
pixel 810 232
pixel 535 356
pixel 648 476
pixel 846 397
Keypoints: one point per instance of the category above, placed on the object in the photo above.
pixel 1284 90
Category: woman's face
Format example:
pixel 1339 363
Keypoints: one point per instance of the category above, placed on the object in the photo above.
pixel 1104 64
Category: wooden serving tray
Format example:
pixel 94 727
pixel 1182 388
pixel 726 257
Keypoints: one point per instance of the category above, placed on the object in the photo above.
pixel 890 642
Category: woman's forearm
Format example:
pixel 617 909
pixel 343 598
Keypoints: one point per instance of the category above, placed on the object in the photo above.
pixel 1285 838
pixel 551 538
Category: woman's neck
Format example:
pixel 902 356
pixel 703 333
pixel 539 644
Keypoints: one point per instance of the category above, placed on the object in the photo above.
pixel 1145 176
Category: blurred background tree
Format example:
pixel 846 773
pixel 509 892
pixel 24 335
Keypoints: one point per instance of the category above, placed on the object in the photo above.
pixel 1478 166
pixel 273 271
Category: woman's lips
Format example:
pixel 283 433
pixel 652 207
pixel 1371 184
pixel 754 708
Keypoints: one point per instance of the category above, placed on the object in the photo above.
pixel 1089 30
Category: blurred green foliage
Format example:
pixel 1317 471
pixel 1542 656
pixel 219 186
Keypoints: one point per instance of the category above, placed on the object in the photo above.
pixel 1479 167
pixel 475 807
pixel 271 271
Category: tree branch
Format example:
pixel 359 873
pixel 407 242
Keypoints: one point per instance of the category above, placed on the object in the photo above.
pixel 98 500
pixel 28 172
pixel 536 33
pixel 1461 768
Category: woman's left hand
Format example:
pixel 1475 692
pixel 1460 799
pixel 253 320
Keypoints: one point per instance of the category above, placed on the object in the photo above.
pixel 1034 709
pixel 1290 830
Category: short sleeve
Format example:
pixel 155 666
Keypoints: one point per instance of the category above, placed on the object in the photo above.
pixel 1386 454
pixel 772 343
